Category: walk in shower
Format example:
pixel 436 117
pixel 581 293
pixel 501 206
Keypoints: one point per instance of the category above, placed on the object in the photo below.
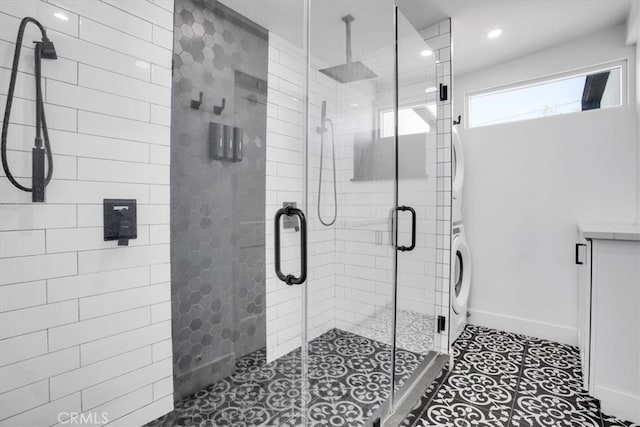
pixel 310 203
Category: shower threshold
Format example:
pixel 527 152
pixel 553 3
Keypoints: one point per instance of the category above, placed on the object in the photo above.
pixel 348 382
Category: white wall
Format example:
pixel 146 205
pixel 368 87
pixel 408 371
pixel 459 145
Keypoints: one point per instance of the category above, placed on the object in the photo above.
pixel 633 37
pixel 528 183
pixel 85 326
pixel 638 127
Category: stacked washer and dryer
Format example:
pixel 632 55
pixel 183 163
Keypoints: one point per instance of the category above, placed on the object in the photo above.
pixel 460 255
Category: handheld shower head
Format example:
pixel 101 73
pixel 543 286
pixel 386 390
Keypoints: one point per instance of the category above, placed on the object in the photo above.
pixel 323 119
pixel 323 114
pixel 39 179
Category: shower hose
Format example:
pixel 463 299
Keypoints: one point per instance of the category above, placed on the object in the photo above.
pixel 41 122
pixel 335 196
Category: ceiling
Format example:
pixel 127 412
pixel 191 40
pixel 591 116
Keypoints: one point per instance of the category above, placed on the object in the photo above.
pixel 528 25
pixel 371 31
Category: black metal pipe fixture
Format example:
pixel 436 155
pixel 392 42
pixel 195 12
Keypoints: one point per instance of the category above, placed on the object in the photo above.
pixel 43 49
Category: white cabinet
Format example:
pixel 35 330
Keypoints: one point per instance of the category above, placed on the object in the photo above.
pixel 583 259
pixel 609 318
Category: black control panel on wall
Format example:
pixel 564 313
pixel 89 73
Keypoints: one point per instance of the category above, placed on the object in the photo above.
pixel 225 142
pixel 120 220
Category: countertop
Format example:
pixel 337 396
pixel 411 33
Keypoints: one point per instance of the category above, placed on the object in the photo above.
pixel 610 231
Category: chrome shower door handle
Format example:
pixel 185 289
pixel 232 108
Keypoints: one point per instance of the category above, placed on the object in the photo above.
pixel 413 228
pixel 290 279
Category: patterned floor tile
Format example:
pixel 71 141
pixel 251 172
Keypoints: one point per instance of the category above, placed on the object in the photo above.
pixel 505 379
pixel 554 411
pixel 547 353
pixel 348 379
pixel 425 399
pixel 498 379
pixel 483 391
pixel 458 414
pixel 501 365
pixel 463 340
pixel 561 383
pixel 609 421
pixel 232 414
pixel 504 343
pixel 414 331
pixel 338 411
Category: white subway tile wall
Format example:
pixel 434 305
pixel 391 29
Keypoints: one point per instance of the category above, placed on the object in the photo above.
pixel 351 264
pixel 85 326
pixel 364 277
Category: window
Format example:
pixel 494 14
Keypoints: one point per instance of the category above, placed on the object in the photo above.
pixel 411 119
pixel 594 89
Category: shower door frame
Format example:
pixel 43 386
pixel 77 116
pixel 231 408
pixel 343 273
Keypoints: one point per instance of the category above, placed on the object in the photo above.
pixel 395 410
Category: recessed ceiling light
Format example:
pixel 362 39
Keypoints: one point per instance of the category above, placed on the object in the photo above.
pixel 142 64
pixel 354 105
pixel 61 16
pixel 430 89
pixel 426 52
pixel 494 34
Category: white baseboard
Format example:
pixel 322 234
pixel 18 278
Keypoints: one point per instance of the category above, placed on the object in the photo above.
pixel 519 325
pixel 621 405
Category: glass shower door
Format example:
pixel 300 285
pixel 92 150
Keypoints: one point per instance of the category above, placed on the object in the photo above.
pixel 302 210
pixel 355 321
pixel 417 248
pixel 288 240
pixel 350 197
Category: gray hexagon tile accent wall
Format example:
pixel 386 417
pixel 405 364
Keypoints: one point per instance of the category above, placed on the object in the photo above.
pixel 217 207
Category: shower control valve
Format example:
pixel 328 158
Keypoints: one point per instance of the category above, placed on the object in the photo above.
pixel 120 220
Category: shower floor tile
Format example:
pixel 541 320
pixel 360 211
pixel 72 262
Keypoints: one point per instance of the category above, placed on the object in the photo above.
pixel 348 380
pixel 501 379
pixel 414 331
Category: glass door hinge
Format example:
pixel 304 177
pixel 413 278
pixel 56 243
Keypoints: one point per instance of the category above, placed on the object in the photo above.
pixel 442 322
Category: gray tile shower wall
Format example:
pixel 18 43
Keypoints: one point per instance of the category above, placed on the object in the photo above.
pixel 217 207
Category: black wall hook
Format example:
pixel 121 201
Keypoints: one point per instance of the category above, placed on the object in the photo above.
pixel 457 122
pixel 196 104
pixel 217 109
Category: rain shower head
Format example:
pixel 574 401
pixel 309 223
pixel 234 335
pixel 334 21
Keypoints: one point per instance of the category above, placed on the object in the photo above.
pixel 351 71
